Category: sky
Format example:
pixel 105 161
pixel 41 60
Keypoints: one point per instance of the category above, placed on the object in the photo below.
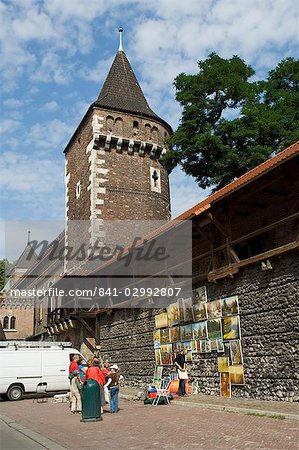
pixel 56 54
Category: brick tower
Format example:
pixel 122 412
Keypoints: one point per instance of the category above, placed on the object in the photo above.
pixel 113 160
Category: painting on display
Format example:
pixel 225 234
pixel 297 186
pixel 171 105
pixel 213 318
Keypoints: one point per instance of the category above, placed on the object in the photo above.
pixel 158 357
pixel 214 329
pixel 208 347
pixel 161 320
pixel 199 330
pixel 158 376
pixel 166 355
pixel 187 309
pixel 225 385
pixel 193 346
pixel 173 314
pixel 157 339
pixel 187 346
pixel 231 327
pixel 199 295
pixel 236 352
pixel 223 364
pixel 220 346
pixel 164 336
pixel 198 346
pixel 213 343
pixel 199 311
pixel 237 374
pixel 177 347
pixel 189 356
pixel 175 335
pixel 186 332
pixel 230 306
pixel 214 309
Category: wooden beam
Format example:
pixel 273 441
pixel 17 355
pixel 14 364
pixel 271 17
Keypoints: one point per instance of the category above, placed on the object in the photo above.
pixel 85 324
pixel 234 268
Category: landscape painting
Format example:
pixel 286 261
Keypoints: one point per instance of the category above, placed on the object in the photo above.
pixel 187 309
pixel 186 332
pixel 223 364
pixel 158 376
pixel 158 357
pixel 225 385
pixel 236 352
pixel 177 347
pixel 161 320
pixel 189 356
pixel 214 309
pixel 199 295
pixel 164 336
pixel 157 340
pixel 230 306
pixel 173 314
pixel 199 330
pixel 175 335
pixel 214 329
pixel 199 311
pixel 231 327
pixel 237 374
pixel 213 345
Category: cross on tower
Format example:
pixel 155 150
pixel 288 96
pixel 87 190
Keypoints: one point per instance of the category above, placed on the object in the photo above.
pixel 155 177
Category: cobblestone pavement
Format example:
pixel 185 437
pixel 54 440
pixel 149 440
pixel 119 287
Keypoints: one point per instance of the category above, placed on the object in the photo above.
pixel 146 427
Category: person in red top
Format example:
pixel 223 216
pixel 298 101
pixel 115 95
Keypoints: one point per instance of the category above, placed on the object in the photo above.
pixel 74 364
pixel 94 372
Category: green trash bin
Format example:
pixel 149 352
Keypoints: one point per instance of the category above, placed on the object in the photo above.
pixel 91 405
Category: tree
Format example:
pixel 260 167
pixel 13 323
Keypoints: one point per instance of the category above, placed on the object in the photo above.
pixel 5 266
pixel 231 124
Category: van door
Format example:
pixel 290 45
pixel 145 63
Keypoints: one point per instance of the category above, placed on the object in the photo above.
pixel 55 365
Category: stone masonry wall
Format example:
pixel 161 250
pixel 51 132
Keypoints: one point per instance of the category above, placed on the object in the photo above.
pixel 268 304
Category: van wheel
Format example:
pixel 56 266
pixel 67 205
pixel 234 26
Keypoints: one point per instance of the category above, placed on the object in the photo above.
pixel 15 393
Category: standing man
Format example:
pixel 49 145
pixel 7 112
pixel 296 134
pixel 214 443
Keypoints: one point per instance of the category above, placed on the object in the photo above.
pixel 180 363
pixel 113 385
pixel 74 365
pixel 95 373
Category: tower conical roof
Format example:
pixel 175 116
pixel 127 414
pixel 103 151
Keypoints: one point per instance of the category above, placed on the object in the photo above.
pixel 122 92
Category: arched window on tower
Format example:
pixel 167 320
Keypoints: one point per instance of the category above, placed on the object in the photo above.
pixel 147 132
pixel 118 126
pixel 155 135
pixel 13 323
pixel 109 124
pixel 6 323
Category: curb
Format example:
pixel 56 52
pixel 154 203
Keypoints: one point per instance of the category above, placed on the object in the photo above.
pixel 36 437
pixel 234 409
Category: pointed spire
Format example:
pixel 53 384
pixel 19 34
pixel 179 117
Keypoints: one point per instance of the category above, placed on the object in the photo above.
pixel 28 240
pixel 120 48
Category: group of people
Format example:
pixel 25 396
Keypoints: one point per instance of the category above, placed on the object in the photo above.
pixel 107 377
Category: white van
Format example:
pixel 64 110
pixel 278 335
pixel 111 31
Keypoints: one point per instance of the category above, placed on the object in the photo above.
pixel 26 364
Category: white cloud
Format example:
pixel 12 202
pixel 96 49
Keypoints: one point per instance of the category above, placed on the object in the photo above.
pixel 52 134
pixel 12 103
pixel 9 125
pixel 50 106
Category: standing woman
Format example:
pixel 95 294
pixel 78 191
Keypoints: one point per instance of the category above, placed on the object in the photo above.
pixel 180 363
pixel 113 386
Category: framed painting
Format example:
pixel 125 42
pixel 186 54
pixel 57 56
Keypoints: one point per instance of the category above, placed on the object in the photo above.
pixel 175 335
pixel 213 345
pixel 157 339
pixel 193 346
pixel 187 309
pixel 236 352
pixel 220 346
pixel 214 309
pixel 177 347
pixel 164 336
pixel 158 376
pixel 225 385
pixel 161 320
pixel 223 364
pixel 158 357
pixel 189 356
pixel 203 346
pixel 199 330
pixel 237 374
pixel 208 346
pixel 199 295
pixel 186 332
pixel 166 359
pixel 230 306
pixel 200 311
pixel 231 327
pixel 214 329
pixel 173 314
pixel 187 346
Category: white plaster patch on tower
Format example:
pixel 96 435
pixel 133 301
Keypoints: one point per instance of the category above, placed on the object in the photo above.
pixel 97 191
pixel 155 179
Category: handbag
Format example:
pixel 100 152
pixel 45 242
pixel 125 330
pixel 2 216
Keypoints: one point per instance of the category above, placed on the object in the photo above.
pixel 183 375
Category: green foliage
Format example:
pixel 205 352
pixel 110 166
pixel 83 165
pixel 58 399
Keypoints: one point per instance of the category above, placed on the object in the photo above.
pixel 214 148
pixel 5 266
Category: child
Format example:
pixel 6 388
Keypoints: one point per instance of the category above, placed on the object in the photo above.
pixel 76 404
